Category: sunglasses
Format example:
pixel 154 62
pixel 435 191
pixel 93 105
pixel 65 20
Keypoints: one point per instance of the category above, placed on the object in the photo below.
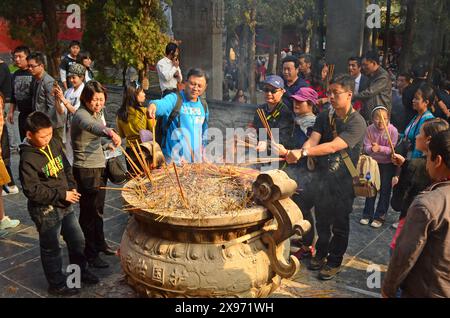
pixel 271 90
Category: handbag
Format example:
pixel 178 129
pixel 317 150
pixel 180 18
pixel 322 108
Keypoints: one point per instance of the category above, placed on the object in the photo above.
pixel 115 170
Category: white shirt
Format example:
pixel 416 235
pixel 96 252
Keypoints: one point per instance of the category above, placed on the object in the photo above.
pixel 166 71
pixel 357 81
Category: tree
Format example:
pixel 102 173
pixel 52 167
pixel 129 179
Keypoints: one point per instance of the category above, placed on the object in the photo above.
pixel 135 32
pixel 36 25
pixel 408 35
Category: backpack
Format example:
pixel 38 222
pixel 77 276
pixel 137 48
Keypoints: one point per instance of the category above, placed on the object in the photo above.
pixel 366 176
pixel 161 130
pixel 367 183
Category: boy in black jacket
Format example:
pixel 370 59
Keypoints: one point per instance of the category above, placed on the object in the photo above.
pixel 49 185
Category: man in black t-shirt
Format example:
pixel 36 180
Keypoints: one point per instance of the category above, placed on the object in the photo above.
pixel 21 89
pixel 69 59
pixel 334 194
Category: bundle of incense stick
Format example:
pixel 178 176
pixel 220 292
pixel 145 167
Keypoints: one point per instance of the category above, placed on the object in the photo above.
pixel 263 118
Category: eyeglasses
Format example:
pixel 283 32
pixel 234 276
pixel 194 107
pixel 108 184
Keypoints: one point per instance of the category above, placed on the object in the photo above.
pixel 33 66
pixel 329 94
pixel 271 90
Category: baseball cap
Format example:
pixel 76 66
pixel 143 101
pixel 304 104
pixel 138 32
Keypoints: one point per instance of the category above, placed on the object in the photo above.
pixel 305 94
pixel 275 81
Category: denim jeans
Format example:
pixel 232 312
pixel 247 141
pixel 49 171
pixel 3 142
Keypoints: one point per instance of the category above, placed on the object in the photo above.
pixel 51 255
pixel 387 171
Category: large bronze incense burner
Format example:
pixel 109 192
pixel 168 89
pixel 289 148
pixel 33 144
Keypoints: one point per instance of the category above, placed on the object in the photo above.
pixel 184 251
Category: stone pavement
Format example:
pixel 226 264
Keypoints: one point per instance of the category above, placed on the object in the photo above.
pixel 21 273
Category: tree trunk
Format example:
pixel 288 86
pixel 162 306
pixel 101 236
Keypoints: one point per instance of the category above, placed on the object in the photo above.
pixel 408 36
pixel 386 33
pixel 271 57
pixel 50 28
pixel 243 58
pixel 252 53
pixel 318 41
pixel 124 77
pixel 279 48
pixel 437 38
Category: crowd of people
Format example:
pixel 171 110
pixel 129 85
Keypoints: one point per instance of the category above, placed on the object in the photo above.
pixel 323 125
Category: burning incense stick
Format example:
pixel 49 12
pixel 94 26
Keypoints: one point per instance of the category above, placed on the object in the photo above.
pixel 179 185
pixel 263 118
pixel 154 143
pixel 132 164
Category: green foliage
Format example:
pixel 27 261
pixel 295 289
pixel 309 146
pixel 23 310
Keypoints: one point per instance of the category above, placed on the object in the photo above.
pixel 135 31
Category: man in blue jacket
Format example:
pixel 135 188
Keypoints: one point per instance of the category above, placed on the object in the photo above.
pixel 184 119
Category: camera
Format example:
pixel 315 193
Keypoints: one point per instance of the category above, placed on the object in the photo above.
pixel 334 162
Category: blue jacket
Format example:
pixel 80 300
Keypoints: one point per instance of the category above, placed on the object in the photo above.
pixel 412 131
pixel 187 133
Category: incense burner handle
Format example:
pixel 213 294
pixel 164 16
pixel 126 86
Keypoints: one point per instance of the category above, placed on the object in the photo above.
pixel 273 190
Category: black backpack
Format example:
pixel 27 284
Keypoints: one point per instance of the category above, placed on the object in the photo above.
pixel 161 130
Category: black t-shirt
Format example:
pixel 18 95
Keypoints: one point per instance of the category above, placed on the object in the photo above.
pixel 280 118
pixel 352 131
pixel 21 90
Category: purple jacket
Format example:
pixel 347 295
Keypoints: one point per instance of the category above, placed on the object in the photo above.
pixel 380 137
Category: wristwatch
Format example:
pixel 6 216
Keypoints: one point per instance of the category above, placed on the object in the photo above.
pixel 304 153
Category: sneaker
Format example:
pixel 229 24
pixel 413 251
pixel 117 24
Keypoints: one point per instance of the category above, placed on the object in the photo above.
pixel 98 263
pixel 13 189
pixel 89 278
pixel 395 225
pixel 376 224
pixel 63 291
pixel 9 190
pixel 7 223
pixel 364 221
pixel 329 272
pixel 317 263
pixel 108 250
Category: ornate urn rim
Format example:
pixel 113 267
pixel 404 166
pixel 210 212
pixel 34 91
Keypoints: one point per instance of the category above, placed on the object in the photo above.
pixel 257 214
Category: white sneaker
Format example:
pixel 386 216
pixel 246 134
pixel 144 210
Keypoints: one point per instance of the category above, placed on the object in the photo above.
pixel 13 190
pixel 7 223
pixel 364 221
pixel 376 224
pixel 395 225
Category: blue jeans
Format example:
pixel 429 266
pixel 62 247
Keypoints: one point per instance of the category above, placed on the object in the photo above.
pixel 387 171
pixel 51 256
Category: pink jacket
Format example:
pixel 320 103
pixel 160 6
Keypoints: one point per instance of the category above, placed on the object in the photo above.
pixel 380 137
